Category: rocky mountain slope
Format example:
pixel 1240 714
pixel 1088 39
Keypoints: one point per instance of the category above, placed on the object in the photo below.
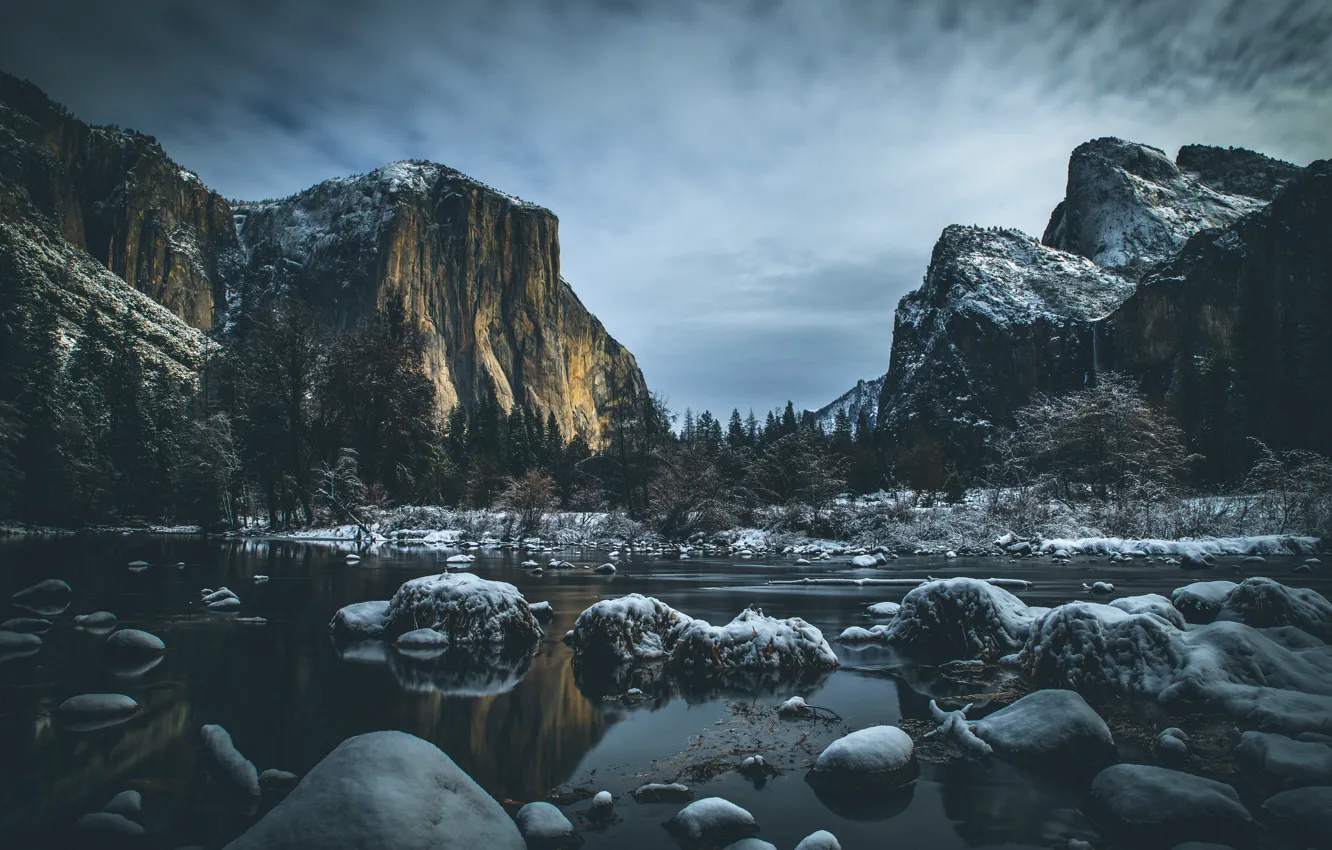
pixel 116 195
pixel 478 269
pixel 1000 316
pixel 862 398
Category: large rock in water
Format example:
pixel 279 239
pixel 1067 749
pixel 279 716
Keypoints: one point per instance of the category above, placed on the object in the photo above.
pixel 631 628
pixel 959 618
pixel 1048 727
pixel 1305 813
pixel 389 791
pixel 1201 601
pixel 878 757
pixel 477 269
pixel 1165 803
pixel 752 641
pixel 466 610
pixel 1263 603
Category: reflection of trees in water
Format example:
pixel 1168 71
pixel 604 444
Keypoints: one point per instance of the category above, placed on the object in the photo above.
pixel 63 768
pixel 994 802
pixel 459 673
pixel 660 683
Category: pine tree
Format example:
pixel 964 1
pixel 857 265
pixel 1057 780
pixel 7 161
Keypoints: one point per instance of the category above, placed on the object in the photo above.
pixel 735 431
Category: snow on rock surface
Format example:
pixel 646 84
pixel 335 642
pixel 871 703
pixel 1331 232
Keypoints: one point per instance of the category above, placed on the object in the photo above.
pixel 960 618
pixel 656 792
pixel 1201 601
pixel 1048 726
pixel 360 620
pixel 1262 602
pixel 1150 603
pixel 86 712
pixel 227 762
pixel 1292 763
pixel 630 628
pixel 752 641
pixel 864 561
pixel 387 790
pixel 1303 812
pixel 418 639
pixel 1214 547
pixel 821 840
pixel 1156 800
pixel 859 634
pixel 543 825
pixel 712 821
pixel 878 756
pixel 795 707
pixel 467 609
pixel 882 610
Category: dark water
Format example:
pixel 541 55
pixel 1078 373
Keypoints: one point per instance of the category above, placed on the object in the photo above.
pixel 288 698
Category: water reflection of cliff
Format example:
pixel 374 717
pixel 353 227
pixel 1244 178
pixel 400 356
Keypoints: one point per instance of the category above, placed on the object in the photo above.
pixel 52 773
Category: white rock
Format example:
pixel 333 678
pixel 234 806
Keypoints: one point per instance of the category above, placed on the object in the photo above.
pixel 542 611
pixel 384 790
pixel 1151 603
pixel 607 569
pixel 208 597
pixel 864 561
pixel 960 618
pixel 752 641
pixel 821 840
pixel 878 756
pixel 86 712
pixel 802 562
pixel 714 821
pixel 859 634
pixel 360 620
pixel 467 609
pixel 883 610
pixel 543 825
pixel 227 762
pixel 1201 601
pixel 795 707
pixel 655 792
pixel 631 628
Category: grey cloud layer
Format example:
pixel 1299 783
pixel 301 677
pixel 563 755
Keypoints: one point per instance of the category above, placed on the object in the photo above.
pixel 745 189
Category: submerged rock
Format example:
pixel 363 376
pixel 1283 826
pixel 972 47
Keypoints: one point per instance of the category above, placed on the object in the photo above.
pixel 1162 802
pixel 712 821
pixel 227 763
pixel 45 598
pixel 87 712
pixel 384 790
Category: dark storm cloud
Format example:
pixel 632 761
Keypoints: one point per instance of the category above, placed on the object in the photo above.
pixel 745 189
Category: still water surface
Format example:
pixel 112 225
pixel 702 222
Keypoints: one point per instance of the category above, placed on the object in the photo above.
pixel 288 697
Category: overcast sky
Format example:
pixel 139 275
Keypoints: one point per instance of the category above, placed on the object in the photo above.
pixel 744 189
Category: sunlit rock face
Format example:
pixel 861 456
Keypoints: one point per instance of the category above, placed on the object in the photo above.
pixel 478 269
pixel 118 196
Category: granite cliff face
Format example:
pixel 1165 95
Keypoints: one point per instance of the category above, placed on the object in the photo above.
pixel 1236 332
pixel 1000 317
pixel 1127 205
pixel 479 270
pixel 116 195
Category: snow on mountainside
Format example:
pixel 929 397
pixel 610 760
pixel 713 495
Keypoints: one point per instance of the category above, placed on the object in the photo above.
pixel 864 396
pixel 998 317
pixel 1127 204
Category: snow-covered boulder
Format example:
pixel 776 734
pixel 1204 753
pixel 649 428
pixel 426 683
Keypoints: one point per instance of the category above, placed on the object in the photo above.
pixel 752 641
pixel 467 609
pixel 1201 601
pixel 45 598
pixel 1303 813
pixel 859 634
pixel 821 840
pixel 960 618
pixel 422 640
pixel 226 762
pixel 1291 763
pixel 712 822
pixel 1093 648
pixel 1172 745
pixel 384 790
pixel 542 611
pixel 1166 803
pixel 877 757
pixel 883 610
pixel 1262 602
pixel 795 708
pixel 605 569
pixel 603 805
pixel 87 712
pixel 1048 726
pixel 360 621
pixel 631 628
pixel 1151 603
pixel 544 826
pixel 864 561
